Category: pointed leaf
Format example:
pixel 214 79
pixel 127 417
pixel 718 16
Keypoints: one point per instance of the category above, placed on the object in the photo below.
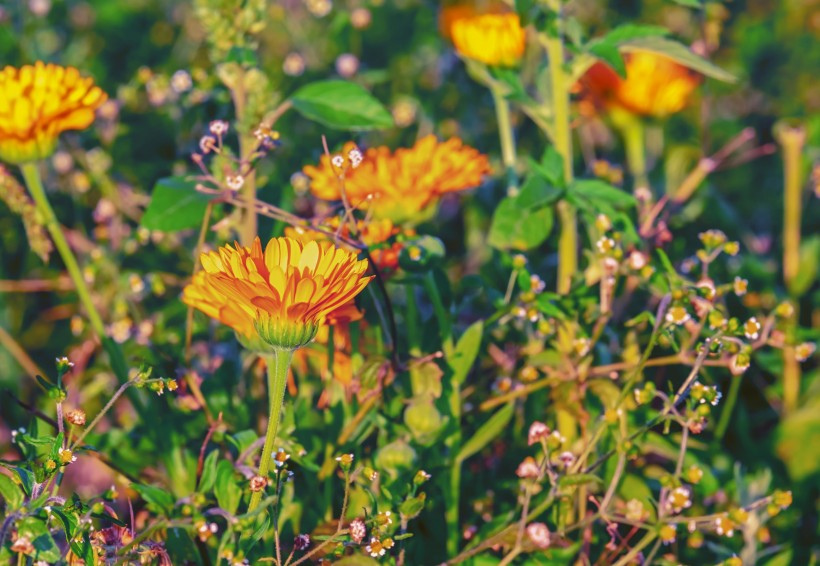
pixel 341 105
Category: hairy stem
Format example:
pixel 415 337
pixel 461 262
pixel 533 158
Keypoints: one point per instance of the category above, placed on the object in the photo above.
pixel 505 133
pixel 278 366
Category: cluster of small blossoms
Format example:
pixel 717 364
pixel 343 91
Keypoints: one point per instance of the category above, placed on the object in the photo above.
pixel 353 159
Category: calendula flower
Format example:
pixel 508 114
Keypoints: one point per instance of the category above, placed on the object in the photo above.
pixel 405 184
pixel 39 102
pixel 654 86
pixel 492 39
pixel 281 295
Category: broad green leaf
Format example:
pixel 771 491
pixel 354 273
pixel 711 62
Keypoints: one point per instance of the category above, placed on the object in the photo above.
pixel 206 482
pixel 159 500
pixel 487 432
pixel 243 56
pixel 357 560
pixel 678 53
pixel 795 433
pixel 37 532
pixel 546 304
pixel 466 352
pixel 611 55
pixel 809 263
pixel 11 493
pixel 227 492
pixel 689 3
pixel 520 226
pixel 341 105
pixel 597 193
pixel 175 205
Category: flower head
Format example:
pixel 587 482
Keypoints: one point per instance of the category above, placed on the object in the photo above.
pixel 37 103
pixel 281 295
pixel 492 39
pixel 401 185
pixel 654 85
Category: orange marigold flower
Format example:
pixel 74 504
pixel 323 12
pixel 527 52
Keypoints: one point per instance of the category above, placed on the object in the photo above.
pixel 37 103
pixel 452 13
pixel 492 39
pixel 281 295
pixel 654 85
pixel 402 185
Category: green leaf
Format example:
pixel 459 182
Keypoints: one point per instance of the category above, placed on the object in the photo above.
pixel 611 55
pixel 226 490
pixel 412 506
pixel 341 105
pixel 175 205
pixel 159 500
pixel 596 195
pixel 678 53
pixel 466 352
pixel 576 480
pixel 807 273
pixel 689 3
pixel 206 482
pixel 796 432
pixel 546 304
pixel 524 221
pixel 37 532
pixel 11 493
pixel 628 32
pixel 487 432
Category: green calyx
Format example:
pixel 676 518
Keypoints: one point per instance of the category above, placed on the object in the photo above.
pixel 284 334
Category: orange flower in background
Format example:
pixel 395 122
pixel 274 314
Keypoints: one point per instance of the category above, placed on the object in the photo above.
pixel 281 295
pixel 403 185
pixel 451 13
pixel 655 85
pixel 37 103
pixel 492 39
pixel 376 234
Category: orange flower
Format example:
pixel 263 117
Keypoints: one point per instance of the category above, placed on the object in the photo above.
pixel 654 86
pixel 281 295
pixel 452 13
pixel 376 234
pixel 492 39
pixel 37 103
pixel 402 185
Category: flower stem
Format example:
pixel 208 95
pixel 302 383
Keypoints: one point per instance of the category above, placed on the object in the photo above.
pixel 632 130
pixel 505 133
pixel 278 366
pixel 791 139
pixel 728 408
pixel 35 186
pixel 562 138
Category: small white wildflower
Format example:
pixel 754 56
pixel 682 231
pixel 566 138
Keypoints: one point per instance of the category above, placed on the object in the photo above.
pixel 218 127
pixel 355 157
pixel 338 161
pixel 234 182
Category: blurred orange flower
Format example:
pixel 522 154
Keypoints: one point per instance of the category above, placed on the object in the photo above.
pixel 281 295
pixel 403 185
pixel 492 39
pixel 655 85
pixel 376 234
pixel 460 10
pixel 37 103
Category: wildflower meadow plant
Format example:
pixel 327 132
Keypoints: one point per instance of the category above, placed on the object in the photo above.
pixel 355 283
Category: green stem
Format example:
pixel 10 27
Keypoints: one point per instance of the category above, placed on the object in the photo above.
pixel 278 366
pixel 792 139
pixel 505 133
pixel 644 542
pixel 247 145
pixel 442 316
pixel 728 408
pixel 562 138
pixel 632 130
pixel 35 186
